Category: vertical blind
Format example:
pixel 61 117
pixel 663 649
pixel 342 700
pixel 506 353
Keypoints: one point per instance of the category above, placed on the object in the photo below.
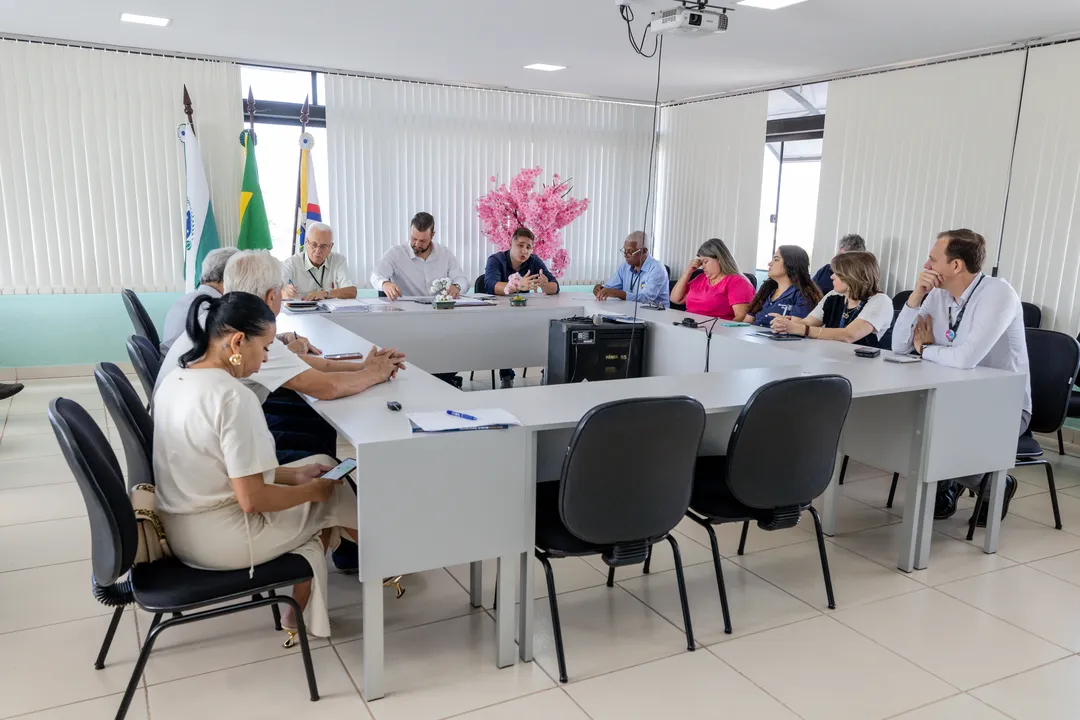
pixel 92 171
pixel 1041 250
pixel 709 181
pixel 396 148
pixel 910 153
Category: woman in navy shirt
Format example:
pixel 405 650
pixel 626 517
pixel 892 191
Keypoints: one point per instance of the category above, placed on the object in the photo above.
pixel 532 272
pixel 789 289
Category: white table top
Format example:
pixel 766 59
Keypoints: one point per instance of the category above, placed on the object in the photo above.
pixel 365 418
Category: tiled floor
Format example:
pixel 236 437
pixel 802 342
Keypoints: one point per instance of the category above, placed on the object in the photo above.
pixel 974 637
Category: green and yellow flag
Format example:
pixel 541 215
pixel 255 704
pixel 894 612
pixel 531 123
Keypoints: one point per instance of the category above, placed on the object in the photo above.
pixel 254 226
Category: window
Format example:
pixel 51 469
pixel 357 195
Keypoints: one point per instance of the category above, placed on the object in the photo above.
pixel 789 196
pixel 272 84
pixel 278 155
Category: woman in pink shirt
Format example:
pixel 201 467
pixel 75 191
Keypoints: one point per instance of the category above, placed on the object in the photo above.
pixel 720 291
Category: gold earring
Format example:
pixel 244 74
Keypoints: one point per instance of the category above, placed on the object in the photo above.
pixel 235 359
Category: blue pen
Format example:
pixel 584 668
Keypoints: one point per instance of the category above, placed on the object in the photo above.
pixel 463 416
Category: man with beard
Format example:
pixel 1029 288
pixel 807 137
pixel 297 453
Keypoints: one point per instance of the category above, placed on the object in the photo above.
pixel 409 270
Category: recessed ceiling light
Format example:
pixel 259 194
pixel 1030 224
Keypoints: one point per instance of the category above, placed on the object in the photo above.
pixel 769 4
pixel 145 20
pixel 545 67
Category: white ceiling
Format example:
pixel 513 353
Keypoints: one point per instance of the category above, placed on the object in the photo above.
pixel 487 42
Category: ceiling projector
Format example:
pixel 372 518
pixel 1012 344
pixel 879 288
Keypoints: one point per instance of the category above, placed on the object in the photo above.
pixel 686 21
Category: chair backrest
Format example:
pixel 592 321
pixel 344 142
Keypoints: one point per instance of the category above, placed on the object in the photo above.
pixel 1032 315
pixel 668 268
pixel 899 301
pixel 113 536
pixel 132 421
pixel 479 286
pixel 146 358
pixel 771 469
pixel 629 469
pixel 1053 363
pixel 144 326
pixel 752 278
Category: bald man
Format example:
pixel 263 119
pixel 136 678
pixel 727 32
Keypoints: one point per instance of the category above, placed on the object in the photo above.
pixel 317 272
pixel 640 278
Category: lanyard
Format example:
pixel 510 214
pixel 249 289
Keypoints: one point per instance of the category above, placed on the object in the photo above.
pixel 950 335
pixel 851 313
pixel 322 276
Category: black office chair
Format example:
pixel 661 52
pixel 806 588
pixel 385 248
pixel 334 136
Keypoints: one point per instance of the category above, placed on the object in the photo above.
pixel 131 419
pixel 754 482
pixel 146 358
pixel 1032 315
pixel 620 492
pixel 898 302
pixel 144 326
pixel 1053 363
pixel 752 278
pixel 165 586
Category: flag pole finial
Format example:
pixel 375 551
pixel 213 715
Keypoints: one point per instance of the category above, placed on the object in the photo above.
pixel 188 110
pixel 251 111
pixel 305 112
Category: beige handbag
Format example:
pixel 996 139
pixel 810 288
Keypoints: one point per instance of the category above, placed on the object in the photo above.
pixel 152 543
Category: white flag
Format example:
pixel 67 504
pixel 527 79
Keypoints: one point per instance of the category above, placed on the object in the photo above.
pixel 200 230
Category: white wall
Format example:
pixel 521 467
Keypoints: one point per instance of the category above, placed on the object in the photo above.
pixel 709 180
pixel 1041 252
pixel 396 148
pixel 913 152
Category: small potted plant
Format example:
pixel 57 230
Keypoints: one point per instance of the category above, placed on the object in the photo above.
pixel 443 300
pixel 513 284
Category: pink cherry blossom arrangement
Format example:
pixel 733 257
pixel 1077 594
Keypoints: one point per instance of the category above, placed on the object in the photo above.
pixel 545 211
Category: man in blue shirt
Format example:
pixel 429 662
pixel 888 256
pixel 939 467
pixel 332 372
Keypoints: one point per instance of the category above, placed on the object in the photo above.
pixel 848 243
pixel 641 278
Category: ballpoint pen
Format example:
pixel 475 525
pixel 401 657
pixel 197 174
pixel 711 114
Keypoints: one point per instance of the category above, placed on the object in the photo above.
pixel 463 416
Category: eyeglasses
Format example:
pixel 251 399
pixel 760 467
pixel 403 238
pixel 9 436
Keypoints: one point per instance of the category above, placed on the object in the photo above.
pixel 318 247
pixel 631 253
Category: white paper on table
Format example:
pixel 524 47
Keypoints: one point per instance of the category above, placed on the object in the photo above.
pixel 472 302
pixel 442 422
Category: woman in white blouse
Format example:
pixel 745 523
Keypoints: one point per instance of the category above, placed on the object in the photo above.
pixel 224 501
pixel 856 311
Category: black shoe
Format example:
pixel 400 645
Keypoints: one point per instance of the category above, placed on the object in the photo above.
pixel 347 557
pixel 945 503
pixel 9 390
pixel 984 511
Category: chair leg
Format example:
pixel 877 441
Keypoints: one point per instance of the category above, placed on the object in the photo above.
pixel 742 538
pixel 556 626
pixel 1061 444
pixel 892 489
pixel 107 642
pixel 472 375
pixel 154 623
pixel 824 558
pixel 305 649
pixel 843 470
pixel 274 610
pixel 1053 495
pixel 493 385
pixel 647 568
pixel 719 579
pixel 682 593
pixel 611 577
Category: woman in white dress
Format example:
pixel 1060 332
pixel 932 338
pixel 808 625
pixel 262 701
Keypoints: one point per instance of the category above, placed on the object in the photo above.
pixel 224 501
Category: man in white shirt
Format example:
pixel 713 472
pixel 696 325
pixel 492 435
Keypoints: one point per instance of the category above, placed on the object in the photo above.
pixel 213 272
pixel 409 270
pixel 958 317
pixel 317 273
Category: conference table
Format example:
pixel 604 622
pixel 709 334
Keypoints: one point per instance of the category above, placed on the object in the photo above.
pixel 427 501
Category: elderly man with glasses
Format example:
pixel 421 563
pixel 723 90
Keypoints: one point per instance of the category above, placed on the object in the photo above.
pixel 641 278
pixel 316 272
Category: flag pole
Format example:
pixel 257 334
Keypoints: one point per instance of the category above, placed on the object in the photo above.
pixel 188 110
pixel 251 113
pixel 304 113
